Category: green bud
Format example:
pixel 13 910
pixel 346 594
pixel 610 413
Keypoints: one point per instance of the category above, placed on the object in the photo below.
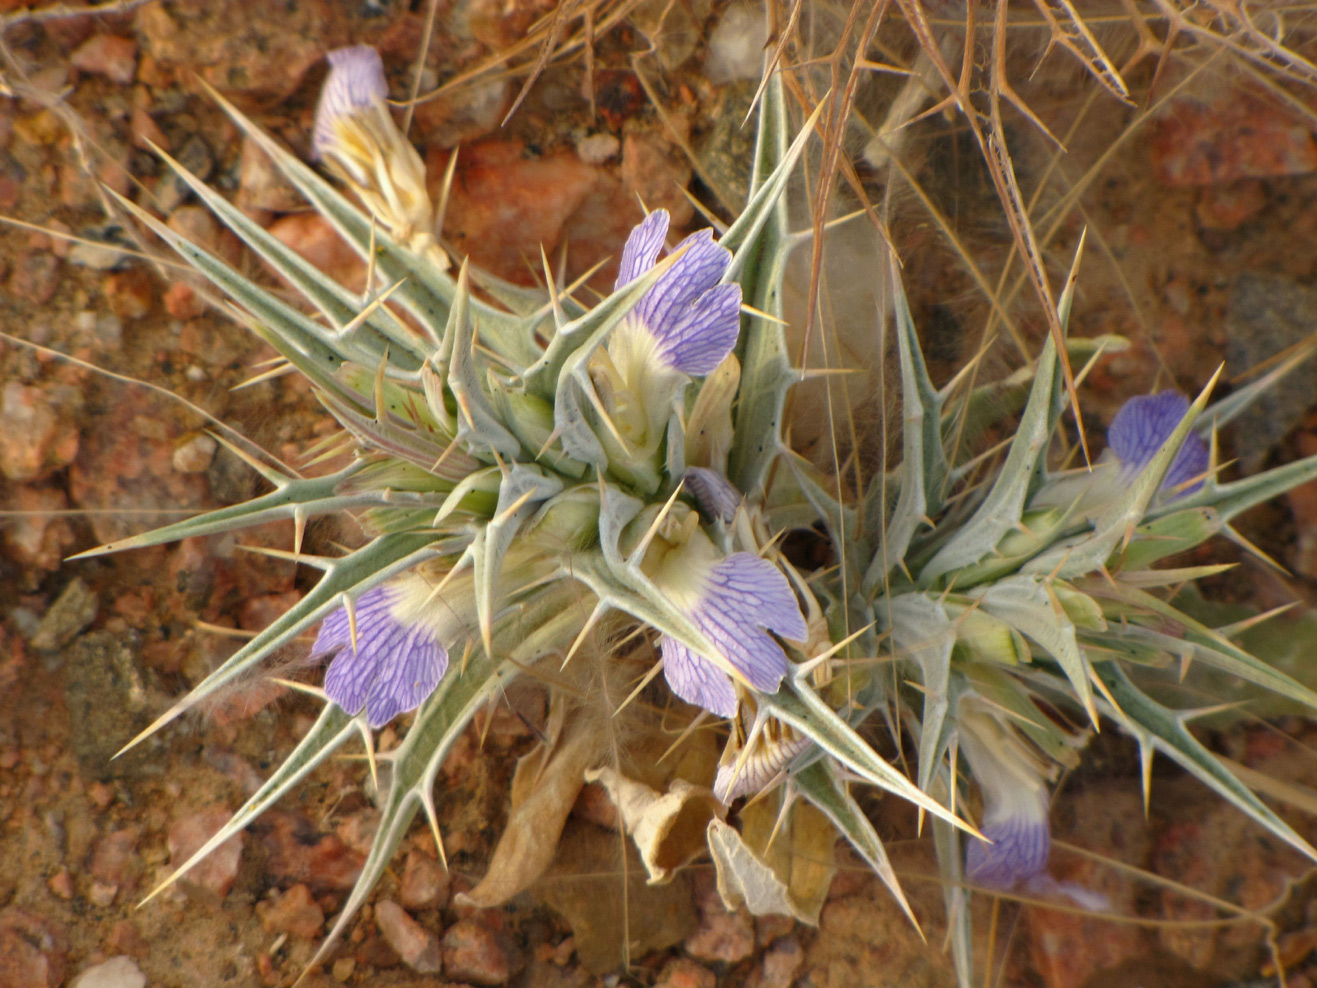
pixel 987 638
pixel 1167 536
pixel 1083 611
pixel 1037 531
pixel 571 517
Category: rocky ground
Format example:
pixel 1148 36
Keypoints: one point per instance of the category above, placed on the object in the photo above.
pixel 1204 222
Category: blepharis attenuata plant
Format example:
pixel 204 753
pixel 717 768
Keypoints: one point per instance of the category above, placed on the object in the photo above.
pixel 543 483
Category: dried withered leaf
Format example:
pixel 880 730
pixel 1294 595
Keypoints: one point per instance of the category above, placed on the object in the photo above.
pixel 547 781
pixel 785 873
pixel 668 827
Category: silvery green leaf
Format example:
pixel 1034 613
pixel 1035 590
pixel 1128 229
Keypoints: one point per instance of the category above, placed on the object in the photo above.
pixel 292 497
pixel 798 705
pixel 388 435
pixel 1024 602
pixel 568 520
pixel 986 638
pixel 960 933
pixel 922 632
pixel 1233 499
pixel 568 353
pixel 990 404
pixel 522 491
pixel 774 161
pixel 530 419
pixel 1158 728
pixel 478 424
pixel 821 784
pixel 1129 649
pixel 616 511
pixel 1006 692
pixel 923 463
pixel 1082 610
pixel 477 491
pixel 1210 646
pixel 405 404
pixel 1167 536
pixel 1003 507
pixel 1037 530
pixel 387 473
pixel 760 243
pixel 574 432
pixel 339 306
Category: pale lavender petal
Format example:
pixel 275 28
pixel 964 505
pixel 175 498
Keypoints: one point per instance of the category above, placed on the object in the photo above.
pixel 714 493
pixel 1143 424
pixel 642 248
pixel 759 590
pixel 1018 852
pixel 738 598
pixel 743 595
pixel 336 630
pixel 697 680
pixel 393 667
pixel 697 338
pixel 694 319
pixel 691 275
pixel 418 663
pixel 355 82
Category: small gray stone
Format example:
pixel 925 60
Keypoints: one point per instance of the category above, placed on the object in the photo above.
pixel 65 619
pixel 117 972
pixel 110 698
pixel 417 946
pixel 106 252
pixel 196 157
pixel 1267 315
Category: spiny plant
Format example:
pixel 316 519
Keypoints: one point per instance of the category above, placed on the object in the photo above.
pixel 538 479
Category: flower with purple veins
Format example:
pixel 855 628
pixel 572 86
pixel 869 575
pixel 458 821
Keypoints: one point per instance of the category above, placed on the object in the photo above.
pixel 1138 431
pixel 735 601
pixel 356 137
pixel 693 320
pixel 355 84
pixel 1012 778
pixel 1021 840
pixel 715 495
pixel 394 661
pixel 683 327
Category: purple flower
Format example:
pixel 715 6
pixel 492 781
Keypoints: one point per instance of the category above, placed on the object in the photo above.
pixel 1012 776
pixel 1143 424
pixel 397 660
pixel 692 320
pixel 715 494
pixel 735 602
pixel 355 83
pixel 1015 821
